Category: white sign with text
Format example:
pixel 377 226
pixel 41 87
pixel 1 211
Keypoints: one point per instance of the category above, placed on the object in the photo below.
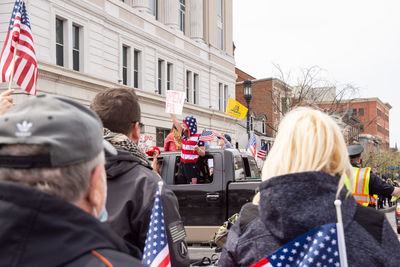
pixel 174 102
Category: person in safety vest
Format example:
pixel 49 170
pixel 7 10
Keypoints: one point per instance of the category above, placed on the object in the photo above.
pixel 366 183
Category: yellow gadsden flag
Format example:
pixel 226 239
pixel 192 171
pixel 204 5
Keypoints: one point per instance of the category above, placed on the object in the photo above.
pixel 235 109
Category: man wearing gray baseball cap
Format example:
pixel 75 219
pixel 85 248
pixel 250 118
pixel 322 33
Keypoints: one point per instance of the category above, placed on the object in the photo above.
pixel 53 187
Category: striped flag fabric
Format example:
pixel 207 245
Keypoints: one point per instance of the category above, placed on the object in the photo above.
pixel 19 37
pixel 156 251
pixel 208 135
pixel 262 152
pixel 252 145
pixel 318 247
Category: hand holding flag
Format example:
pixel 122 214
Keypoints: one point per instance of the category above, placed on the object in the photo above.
pixel 208 135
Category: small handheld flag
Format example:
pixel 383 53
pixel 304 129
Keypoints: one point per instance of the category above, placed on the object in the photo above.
pixel 156 251
pixel 252 145
pixel 18 58
pixel 208 135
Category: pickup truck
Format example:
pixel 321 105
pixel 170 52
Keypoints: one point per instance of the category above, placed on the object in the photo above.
pixel 228 181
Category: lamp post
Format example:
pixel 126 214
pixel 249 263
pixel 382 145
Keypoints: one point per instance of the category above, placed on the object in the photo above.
pixel 248 94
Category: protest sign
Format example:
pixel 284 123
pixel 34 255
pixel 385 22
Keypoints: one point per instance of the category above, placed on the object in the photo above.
pixel 145 142
pixel 174 102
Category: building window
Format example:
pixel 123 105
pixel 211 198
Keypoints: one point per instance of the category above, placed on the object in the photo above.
pixel 182 10
pixel 169 75
pixel 161 134
pixel 188 85
pixel 220 25
pixel 59 42
pixel 220 97
pixel 160 76
pixel 125 50
pixel 136 58
pixel 225 96
pixel 263 126
pixel 251 122
pixel 154 8
pixel 275 103
pixel 362 128
pixel 361 112
pixel 353 112
pixel 75 47
pixel 195 87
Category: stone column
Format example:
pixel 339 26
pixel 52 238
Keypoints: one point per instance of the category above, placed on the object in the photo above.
pixel 141 5
pixel 196 20
pixel 172 13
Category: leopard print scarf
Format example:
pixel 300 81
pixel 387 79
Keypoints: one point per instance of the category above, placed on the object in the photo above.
pixel 122 141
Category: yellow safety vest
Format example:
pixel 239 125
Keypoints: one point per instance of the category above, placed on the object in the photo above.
pixel 361 186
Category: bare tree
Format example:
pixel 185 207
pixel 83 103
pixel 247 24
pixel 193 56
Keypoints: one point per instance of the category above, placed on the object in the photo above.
pixel 310 87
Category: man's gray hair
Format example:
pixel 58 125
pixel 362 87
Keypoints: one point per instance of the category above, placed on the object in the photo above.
pixel 70 183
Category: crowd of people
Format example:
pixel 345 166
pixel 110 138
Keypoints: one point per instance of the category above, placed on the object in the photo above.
pixel 76 190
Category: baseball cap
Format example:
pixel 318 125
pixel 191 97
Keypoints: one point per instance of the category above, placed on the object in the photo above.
pixel 72 132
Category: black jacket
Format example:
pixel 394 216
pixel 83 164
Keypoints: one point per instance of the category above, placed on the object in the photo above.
pixel 131 192
pixel 40 230
pixel 294 204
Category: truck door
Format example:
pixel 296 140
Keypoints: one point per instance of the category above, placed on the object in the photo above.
pixel 202 204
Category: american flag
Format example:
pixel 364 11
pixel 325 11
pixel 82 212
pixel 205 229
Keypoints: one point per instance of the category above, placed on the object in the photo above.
pixel 208 135
pixel 19 37
pixel 252 145
pixel 156 251
pixel 318 247
pixel 262 152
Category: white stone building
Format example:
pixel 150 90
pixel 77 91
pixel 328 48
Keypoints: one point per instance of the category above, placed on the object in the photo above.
pixel 83 46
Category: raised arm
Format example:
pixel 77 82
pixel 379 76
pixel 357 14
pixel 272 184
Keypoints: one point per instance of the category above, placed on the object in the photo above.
pixel 176 122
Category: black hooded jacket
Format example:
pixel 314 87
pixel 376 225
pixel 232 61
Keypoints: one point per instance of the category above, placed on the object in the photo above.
pixel 40 230
pixel 131 191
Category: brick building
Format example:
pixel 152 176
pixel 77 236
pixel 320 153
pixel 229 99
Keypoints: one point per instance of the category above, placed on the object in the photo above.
pixel 373 115
pixel 270 100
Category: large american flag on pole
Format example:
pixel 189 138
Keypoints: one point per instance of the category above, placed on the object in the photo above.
pixel 318 247
pixel 156 251
pixel 208 135
pixel 19 37
pixel 252 145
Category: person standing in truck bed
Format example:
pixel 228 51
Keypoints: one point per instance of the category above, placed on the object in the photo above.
pixel 192 148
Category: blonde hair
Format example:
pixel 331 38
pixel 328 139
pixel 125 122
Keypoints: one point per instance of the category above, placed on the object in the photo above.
pixel 308 140
pixel 177 138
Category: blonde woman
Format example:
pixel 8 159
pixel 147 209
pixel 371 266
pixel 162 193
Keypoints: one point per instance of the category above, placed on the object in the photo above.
pixel 303 175
pixel 173 141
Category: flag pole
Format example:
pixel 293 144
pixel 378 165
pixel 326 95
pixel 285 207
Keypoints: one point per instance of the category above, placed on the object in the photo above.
pixel 12 66
pixel 340 234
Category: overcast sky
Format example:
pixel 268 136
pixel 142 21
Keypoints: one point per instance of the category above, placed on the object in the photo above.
pixel 354 41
